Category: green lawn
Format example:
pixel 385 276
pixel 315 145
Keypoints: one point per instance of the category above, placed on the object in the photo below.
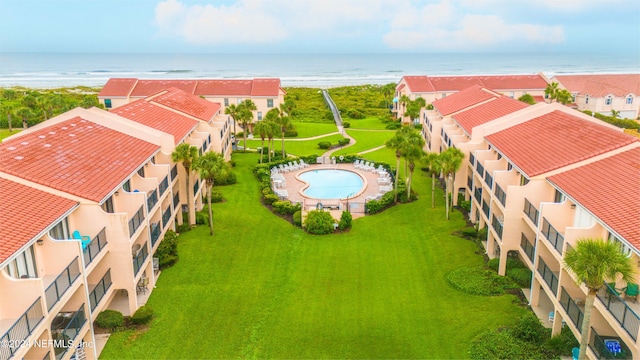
pixel 262 288
pixel 367 123
pixel 366 140
pixel 4 133
pixel 299 148
pixel 386 155
pixel 309 129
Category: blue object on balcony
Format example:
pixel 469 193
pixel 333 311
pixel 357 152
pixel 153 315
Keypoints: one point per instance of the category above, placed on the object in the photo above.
pixel 613 346
pixel 575 353
pixel 85 239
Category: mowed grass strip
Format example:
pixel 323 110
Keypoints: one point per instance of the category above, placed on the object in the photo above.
pixel 373 123
pixel 295 147
pixel 262 288
pixel 309 129
pixel 366 140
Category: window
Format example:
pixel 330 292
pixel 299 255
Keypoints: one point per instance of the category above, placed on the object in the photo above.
pixel 523 180
pixel 444 95
pixel 269 103
pixel 608 100
pixel 558 197
pixel 259 115
pixel 509 166
pixel 511 95
pixel 239 100
pixel 107 206
pixel 226 101
pixel 141 171
pixel 586 99
pixel 127 186
pixel 23 266
pixel 573 97
pixel 629 100
pixel 61 230
pixel 107 103
pixel 625 249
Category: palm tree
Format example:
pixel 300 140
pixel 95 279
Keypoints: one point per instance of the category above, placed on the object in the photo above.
pixel 450 161
pixel 261 130
pixel 404 100
pixel 615 113
pixel 413 152
pixel 288 107
pixel 25 113
pixel 187 155
pixel 208 167
pixel 595 261
pixel 397 142
pixel 232 110
pixel 563 96
pixel 284 122
pixel 8 109
pixel 432 160
pixel 272 129
pixel 551 91
pixel 244 116
pixel 248 104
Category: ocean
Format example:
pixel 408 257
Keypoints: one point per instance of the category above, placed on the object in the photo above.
pixel 311 70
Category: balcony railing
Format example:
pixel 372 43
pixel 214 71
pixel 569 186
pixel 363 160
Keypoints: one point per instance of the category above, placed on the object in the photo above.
pixel 166 216
pixel 152 199
pixel 176 200
pixel 485 209
pixel 21 329
pixel 501 195
pixel 164 185
pixel 139 259
pixel 497 226
pixel 68 334
pixel 572 309
pixel 174 172
pixel 618 308
pixel 95 246
pixel 472 159
pixel 62 283
pixel 555 238
pixel 100 290
pixel 528 247
pixel 478 195
pixel 531 211
pixel 136 220
pixel 599 347
pixel 488 179
pixel 155 232
pixel 196 187
pixel 480 169
pixel 549 276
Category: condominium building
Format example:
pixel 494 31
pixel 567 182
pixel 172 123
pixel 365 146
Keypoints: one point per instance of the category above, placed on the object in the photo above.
pixel 539 178
pixel 603 93
pixel 432 88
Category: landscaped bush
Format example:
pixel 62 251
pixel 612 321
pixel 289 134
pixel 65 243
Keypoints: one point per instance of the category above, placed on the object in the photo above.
pixel 482 234
pixel 142 316
pixel 346 124
pixel 393 126
pixel 319 222
pixel 345 220
pixel 470 232
pixel 269 199
pixel 110 319
pixel 355 114
pixel 429 107
pixel 324 145
pixel 285 207
pixel 216 197
pixel 479 281
pixel 297 218
pixel 511 264
pixel 529 328
pixel 225 177
pixel 521 276
pixel 290 133
pixel 239 135
pixel 417 126
pixel 375 206
pixel 344 141
pixel 167 252
pixel 183 228
pixel 500 344
pixel 202 218
pixel 621 123
pixel 563 343
pixel 465 205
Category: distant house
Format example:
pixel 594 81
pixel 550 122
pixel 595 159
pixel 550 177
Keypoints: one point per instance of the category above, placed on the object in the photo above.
pixel 603 93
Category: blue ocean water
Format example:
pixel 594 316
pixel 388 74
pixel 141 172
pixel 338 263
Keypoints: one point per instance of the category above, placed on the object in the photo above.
pixel 313 70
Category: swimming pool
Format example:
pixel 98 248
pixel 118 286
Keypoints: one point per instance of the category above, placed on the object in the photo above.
pixel 331 184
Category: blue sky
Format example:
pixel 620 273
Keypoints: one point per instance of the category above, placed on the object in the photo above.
pixel 320 26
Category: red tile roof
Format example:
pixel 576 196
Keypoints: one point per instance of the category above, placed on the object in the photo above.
pixel 186 103
pixel 224 87
pixel 25 213
pixel 453 83
pixel 463 99
pixel 159 118
pixel 555 140
pixel 118 87
pixel 484 113
pixel 76 156
pixel 419 84
pixel 513 82
pixel 609 190
pixel 149 87
pixel 601 85
pixel 265 87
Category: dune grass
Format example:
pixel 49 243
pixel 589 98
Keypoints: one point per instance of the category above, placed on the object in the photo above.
pixel 262 288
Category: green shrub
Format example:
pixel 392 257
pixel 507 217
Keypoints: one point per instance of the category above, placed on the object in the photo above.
pixel 482 234
pixel 345 220
pixel 521 276
pixel 216 197
pixel 466 205
pixel 324 145
pixel 346 124
pixel 417 126
pixel 143 315
pixel 290 133
pixel 285 207
pixel 529 328
pixel 562 343
pixel 239 135
pixel 202 218
pixel 470 232
pixel 269 199
pixel 344 141
pixel 167 251
pixel 375 206
pixel 225 177
pixel 429 107
pixel 500 344
pixel 319 222
pixel 479 281
pixel 511 264
pixel 393 126
pixel 110 319
pixel 297 218
pixel 183 228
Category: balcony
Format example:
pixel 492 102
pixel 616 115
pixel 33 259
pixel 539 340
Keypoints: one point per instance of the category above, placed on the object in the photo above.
pixel 196 187
pixel 480 169
pixel 62 283
pixel 497 225
pixel 174 172
pixel 620 310
pixel 555 238
pixel 152 199
pixel 166 216
pixel 573 310
pixel 176 200
pixel 478 195
pixel 549 277
pixel 21 329
pixel 600 345
pixel 136 220
pixel 527 247
pixel 488 179
pixel 65 327
pixel 485 209
pixel 531 211
pixel 472 159
pixel 95 246
pixel 100 290
pixel 164 185
pixel 501 195
pixel 155 232
pixel 139 258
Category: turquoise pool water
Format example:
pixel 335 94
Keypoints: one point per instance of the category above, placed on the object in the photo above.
pixel 331 184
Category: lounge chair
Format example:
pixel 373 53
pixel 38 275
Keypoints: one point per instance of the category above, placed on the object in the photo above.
pixel 386 188
pixel 631 292
pixel 83 238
